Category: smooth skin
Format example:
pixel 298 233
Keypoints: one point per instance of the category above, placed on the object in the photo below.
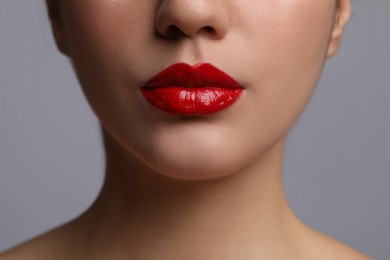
pixel 191 188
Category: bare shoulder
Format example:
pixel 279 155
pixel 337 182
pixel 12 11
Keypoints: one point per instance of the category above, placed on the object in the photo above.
pixel 27 250
pixel 324 247
pixel 42 247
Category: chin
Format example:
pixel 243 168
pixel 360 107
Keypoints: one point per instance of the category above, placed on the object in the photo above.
pixel 184 168
pixel 202 154
pixel 195 157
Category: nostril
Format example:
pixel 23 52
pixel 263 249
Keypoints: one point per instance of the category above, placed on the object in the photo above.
pixel 174 32
pixel 177 19
pixel 209 29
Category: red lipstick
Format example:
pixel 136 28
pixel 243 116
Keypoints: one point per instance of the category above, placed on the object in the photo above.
pixel 187 90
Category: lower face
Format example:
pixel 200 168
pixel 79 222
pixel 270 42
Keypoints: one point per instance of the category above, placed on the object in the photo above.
pixel 274 49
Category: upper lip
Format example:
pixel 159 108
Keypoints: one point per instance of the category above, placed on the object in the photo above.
pixel 199 75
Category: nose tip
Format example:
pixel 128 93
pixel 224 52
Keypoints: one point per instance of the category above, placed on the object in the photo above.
pixel 188 18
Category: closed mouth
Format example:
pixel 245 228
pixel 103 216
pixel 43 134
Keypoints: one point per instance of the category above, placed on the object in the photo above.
pixel 187 90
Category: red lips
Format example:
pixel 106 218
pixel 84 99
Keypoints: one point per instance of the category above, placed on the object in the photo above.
pixel 187 90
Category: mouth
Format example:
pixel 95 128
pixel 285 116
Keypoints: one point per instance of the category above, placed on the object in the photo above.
pixel 187 90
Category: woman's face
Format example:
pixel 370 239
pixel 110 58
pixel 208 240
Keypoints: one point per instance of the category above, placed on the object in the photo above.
pixel 275 49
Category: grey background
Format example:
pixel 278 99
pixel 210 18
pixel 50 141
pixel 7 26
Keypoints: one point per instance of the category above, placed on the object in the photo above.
pixel 337 165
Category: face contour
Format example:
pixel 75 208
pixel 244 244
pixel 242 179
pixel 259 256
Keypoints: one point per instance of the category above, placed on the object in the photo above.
pixel 274 49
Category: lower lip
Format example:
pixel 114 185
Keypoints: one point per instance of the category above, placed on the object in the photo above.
pixel 191 101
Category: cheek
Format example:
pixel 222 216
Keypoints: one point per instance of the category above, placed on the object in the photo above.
pixel 108 41
pixel 290 45
pixel 107 31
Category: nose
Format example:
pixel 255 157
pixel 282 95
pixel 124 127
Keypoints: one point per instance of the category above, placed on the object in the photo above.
pixel 188 18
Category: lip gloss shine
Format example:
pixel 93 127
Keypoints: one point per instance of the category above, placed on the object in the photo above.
pixel 187 90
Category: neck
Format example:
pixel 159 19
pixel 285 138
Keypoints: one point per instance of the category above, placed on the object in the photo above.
pixel 139 210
